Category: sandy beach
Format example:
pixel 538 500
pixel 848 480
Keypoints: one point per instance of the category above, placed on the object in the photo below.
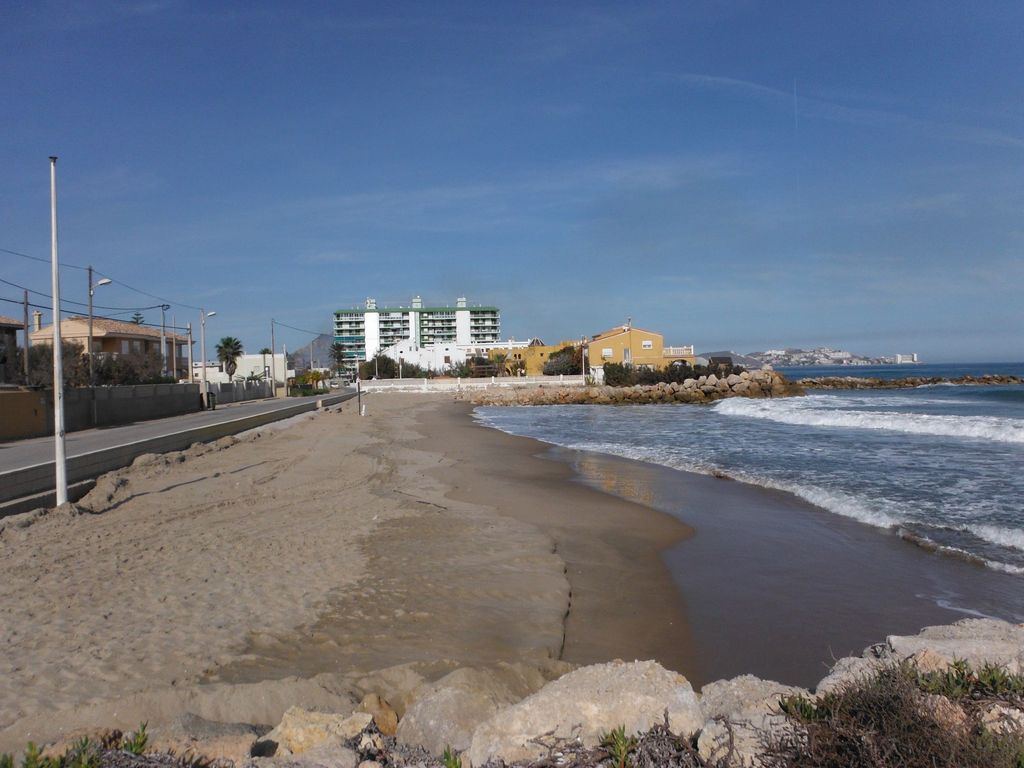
pixel 232 580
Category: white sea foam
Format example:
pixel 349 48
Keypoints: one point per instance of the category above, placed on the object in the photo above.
pixel 1005 537
pixel 834 501
pixel 990 428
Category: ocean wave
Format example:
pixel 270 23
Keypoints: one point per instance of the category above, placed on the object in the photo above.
pixel 994 534
pixel 990 428
pixel 880 513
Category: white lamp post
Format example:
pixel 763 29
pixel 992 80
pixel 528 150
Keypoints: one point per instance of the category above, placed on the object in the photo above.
pixel 204 389
pixel 60 459
pixel 92 290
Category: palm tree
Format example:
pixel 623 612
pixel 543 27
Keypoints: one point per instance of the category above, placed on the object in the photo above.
pixel 229 349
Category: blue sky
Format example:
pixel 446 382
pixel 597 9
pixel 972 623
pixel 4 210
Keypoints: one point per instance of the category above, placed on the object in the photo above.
pixel 735 174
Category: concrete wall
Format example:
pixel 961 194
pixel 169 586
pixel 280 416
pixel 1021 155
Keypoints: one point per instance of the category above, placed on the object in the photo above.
pixel 24 413
pixel 456 384
pixel 239 391
pixel 29 413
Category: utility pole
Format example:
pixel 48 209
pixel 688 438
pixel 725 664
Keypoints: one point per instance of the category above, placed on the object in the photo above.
pixel 205 389
pixel 174 347
pixel 60 459
pixel 88 349
pixel 163 344
pixel 284 351
pixel 191 365
pixel 24 350
pixel 273 366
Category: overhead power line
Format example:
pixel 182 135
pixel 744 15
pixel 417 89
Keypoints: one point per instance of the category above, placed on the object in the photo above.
pixel 78 303
pixel 39 258
pixel 300 330
pixel 102 274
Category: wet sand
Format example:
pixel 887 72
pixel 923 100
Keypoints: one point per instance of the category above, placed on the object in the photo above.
pixel 624 601
pixel 780 588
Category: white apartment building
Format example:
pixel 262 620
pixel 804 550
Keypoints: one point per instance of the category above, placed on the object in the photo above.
pixel 363 332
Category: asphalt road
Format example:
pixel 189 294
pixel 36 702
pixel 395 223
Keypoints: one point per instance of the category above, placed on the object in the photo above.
pixel 19 454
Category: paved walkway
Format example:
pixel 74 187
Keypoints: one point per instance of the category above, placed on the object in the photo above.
pixel 19 454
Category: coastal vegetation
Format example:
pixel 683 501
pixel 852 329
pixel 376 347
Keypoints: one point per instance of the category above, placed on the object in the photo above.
pixel 903 717
pixel 626 375
pixel 124 369
pixel 567 361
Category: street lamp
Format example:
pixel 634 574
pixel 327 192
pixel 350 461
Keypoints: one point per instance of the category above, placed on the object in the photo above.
pixel 204 389
pixel 92 290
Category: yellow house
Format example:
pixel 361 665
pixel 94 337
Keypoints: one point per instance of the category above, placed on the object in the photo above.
pixel 637 347
pixel 530 359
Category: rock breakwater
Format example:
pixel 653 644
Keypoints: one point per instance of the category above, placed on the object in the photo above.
pixel 703 389
pixel 909 382
pixel 958 686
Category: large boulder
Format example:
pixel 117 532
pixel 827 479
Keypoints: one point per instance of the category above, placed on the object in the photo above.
pixel 741 712
pixel 446 713
pixel 191 733
pixel 301 730
pixel 976 641
pixel 383 714
pixel 587 704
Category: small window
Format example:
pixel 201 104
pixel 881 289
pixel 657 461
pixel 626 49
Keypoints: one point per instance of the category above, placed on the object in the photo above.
pixel 647 344
pixel 606 352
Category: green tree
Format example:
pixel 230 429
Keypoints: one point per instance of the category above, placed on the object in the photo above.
pixel 229 349
pixel 138 318
pixel 40 365
pixel 567 360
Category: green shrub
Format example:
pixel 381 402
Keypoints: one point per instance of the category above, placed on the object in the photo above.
pixel 619 746
pixel 887 720
pixel 136 742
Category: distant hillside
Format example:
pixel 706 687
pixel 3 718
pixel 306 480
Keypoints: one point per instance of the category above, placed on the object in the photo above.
pixel 321 353
pixel 748 362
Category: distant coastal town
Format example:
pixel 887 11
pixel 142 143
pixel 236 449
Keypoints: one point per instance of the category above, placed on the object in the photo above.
pixel 827 356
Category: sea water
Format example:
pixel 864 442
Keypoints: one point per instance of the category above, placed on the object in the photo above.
pixel 942 465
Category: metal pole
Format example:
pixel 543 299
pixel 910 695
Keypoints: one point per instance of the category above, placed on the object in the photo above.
pixel 203 391
pixel 174 347
pixel 163 345
pixel 60 460
pixel 273 366
pixel 359 396
pixel 284 351
pixel 191 366
pixel 24 351
pixel 88 350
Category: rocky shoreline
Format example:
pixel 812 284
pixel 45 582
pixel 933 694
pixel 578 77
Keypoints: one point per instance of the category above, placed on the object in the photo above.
pixel 704 389
pixel 511 715
pixel 909 382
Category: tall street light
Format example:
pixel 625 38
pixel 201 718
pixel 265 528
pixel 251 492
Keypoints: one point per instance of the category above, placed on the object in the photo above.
pixel 204 389
pixel 92 290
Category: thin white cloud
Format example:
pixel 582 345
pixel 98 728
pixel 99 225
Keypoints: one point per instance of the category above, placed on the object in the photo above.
pixel 475 206
pixel 814 108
